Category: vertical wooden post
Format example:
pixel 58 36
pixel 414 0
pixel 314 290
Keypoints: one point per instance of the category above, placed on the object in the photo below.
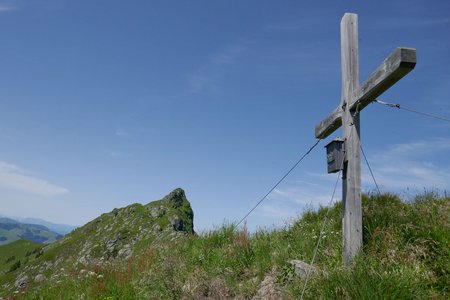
pixel 353 99
pixel 351 184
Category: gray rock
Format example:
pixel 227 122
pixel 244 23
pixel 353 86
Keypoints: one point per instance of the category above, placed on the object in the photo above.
pixel 301 268
pixel 84 260
pixel 125 252
pixel 110 245
pixel 175 198
pixel 21 281
pixel 177 223
pixel 39 278
pixel 156 228
pixel 45 266
pixel 157 212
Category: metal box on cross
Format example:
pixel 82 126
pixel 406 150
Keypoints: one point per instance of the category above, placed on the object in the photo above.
pixel 335 155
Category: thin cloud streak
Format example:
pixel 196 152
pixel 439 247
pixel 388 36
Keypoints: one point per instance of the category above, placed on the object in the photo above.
pixel 206 78
pixel 407 22
pixel 409 165
pixel 122 133
pixel 230 54
pixel 13 177
pixel 402 167
pixel 6 7
pixel 288 202
pixel 199 82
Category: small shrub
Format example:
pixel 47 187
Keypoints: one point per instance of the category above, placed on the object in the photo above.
pixel 10 259
pixel 15 266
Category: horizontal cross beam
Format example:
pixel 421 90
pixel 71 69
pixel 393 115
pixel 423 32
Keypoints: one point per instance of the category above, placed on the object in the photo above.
pixel 397 65
pixel 328 125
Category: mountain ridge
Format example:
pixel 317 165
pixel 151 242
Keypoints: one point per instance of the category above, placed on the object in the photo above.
pixel 56 227
pixel 12 230
pixel 112 237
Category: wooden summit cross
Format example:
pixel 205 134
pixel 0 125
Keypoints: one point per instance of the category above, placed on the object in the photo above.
pixel 353 99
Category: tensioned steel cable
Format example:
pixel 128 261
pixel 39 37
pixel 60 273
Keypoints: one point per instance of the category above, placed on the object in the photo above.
pixel 326 214
pixel 279 181
pixel 320 235
pixel 396 105
pixel 370 169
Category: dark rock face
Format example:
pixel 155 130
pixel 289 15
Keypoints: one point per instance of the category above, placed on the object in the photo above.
pixel 176 198
pixel 177 224
pixel 21 281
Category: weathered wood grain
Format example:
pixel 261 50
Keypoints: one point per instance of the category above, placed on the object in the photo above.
pixel 399 63
pixel 328 125
pixel 396 66
pixel 351 181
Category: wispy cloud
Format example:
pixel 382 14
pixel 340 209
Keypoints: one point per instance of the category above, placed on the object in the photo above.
pixel 305 22
pixel 122 133
pixel 206 78
pixel 200 81
pixel 13 177
pixel 420 148
pixel 120 155
pixel 402 167
pixel 407 22
pixel 115 154
pixel 229 54
pixel 6 6
pixel 286 203
pixel 420 164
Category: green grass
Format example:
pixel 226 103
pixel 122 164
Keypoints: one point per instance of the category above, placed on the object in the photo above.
pixel 406 255
pixel 18 250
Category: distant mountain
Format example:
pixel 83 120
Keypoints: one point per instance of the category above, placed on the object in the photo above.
pixel 12 230
pixel 62 229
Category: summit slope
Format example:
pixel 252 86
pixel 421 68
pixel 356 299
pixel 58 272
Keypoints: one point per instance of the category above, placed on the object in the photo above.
pixel 111 237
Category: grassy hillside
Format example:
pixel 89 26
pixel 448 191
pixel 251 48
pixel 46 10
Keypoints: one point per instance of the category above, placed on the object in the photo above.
pixel 109 239
pixel 14 252
pixel 406 255
pixel 11 230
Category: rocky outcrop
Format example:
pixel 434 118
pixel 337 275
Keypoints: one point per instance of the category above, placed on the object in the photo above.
pixel 39 278
pixel 176 198
pixel 116 235
pixel 21 281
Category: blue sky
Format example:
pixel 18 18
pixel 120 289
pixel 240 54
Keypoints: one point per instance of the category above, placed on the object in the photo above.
pixel 107 103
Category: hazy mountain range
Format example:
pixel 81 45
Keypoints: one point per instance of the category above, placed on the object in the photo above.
pixel 12 230
pixel 58 228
